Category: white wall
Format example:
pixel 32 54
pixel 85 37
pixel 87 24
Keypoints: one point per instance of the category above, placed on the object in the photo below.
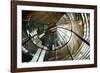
pixel 5 36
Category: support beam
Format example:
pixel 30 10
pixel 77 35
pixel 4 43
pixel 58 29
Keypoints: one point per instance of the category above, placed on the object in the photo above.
pixel 42 55
pixel 36 56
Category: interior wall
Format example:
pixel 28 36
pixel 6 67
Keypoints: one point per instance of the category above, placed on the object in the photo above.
pixel 5 49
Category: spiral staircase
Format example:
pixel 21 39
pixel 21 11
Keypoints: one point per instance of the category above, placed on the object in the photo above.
pixel 55 36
